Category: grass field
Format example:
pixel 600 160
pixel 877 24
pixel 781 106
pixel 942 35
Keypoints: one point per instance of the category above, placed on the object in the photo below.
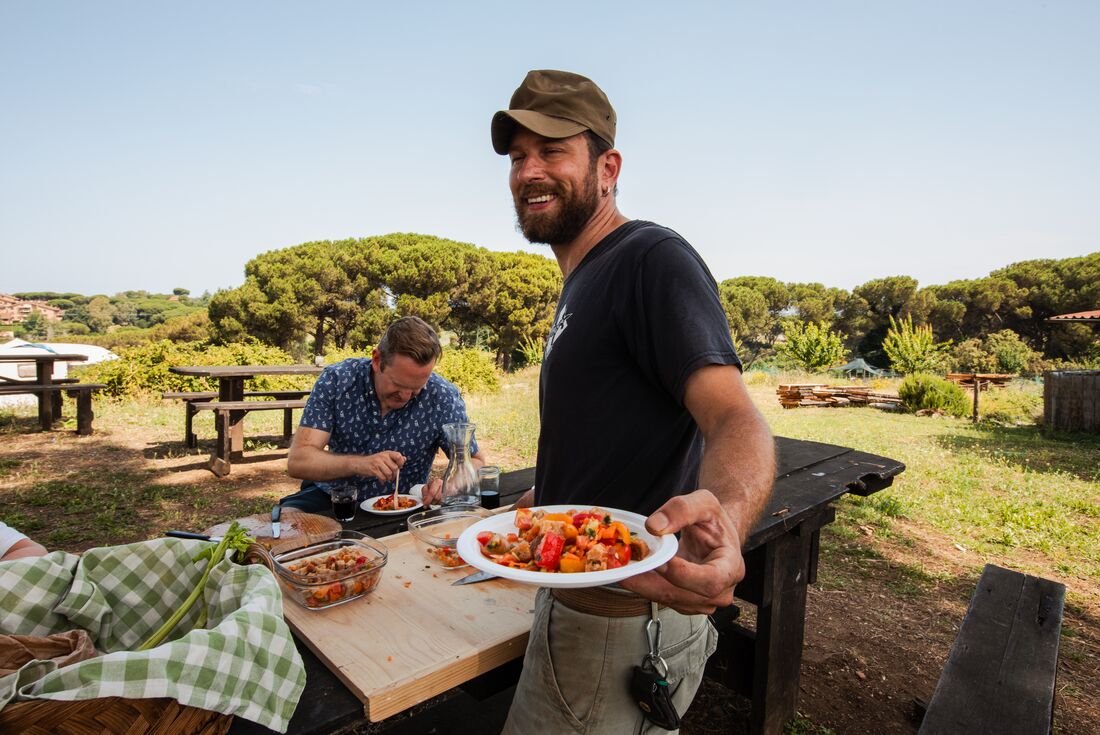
pixel 1007 492
pixel 1013 496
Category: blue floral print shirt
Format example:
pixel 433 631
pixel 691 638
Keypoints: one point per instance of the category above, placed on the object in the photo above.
pixel 344 404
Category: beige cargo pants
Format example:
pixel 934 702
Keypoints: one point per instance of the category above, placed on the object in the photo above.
pixel 578 667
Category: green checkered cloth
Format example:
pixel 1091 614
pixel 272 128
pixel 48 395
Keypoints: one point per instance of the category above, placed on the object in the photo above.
pixel 243 663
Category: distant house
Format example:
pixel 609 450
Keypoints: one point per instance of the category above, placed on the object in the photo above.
pixel 14 311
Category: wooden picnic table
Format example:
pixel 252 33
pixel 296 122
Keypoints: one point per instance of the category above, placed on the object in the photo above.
pixel 42 383
pixel 230 424
pixel 781 558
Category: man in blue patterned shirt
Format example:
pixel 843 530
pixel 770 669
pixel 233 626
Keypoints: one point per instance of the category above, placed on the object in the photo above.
pixel 376 415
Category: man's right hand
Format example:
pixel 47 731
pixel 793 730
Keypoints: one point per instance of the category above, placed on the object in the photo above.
pixel 382 466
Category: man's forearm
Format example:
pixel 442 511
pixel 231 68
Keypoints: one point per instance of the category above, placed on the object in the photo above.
pixel 739 467
pixel 311 463
pixel 24 548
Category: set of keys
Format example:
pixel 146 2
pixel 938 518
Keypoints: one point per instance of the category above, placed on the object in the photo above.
pixel 649 683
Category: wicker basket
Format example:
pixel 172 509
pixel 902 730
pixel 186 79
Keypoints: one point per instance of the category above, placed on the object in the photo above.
pixel 111 716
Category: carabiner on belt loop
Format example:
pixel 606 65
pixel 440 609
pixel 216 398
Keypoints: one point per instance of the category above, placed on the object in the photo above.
pixel 653 635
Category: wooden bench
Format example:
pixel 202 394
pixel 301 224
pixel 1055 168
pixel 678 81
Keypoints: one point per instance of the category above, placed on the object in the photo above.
pixel 80 392
pixel 192 398
pixel 1000 674
pixel 228 413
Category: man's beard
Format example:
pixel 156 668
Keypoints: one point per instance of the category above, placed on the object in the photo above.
pixel 575 212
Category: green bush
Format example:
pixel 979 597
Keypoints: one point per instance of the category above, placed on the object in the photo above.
pixel 912 348
pixel 473 371
pixel 1011 406
pixel 999 352
pixel 530 352
pixel 812 346
pixel 143 370
pixel 923 391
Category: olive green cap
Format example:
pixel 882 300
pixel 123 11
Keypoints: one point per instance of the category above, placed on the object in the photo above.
pixel 555 104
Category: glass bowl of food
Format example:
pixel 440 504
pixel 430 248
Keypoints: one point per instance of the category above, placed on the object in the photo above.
pixel 331 569
pixel 436 532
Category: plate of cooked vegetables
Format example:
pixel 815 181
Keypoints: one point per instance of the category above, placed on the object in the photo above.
pixel 565 546
pixel 383 504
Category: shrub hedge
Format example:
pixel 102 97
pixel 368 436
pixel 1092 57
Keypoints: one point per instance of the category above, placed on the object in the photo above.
pixel 924 391
pixel 473 371
pixel 143 370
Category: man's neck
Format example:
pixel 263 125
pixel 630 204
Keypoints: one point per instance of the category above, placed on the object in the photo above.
pixel 606 220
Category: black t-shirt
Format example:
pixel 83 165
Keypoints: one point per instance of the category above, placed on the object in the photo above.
pixel 635 319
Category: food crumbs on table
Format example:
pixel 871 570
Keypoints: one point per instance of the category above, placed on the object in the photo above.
pixel 435 575
pixel 389 658
pixel 408 584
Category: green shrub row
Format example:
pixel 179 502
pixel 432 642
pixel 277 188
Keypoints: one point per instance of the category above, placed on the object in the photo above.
pixel 1011 406
pixel 143 370
pixel 923 391
pixel 473 371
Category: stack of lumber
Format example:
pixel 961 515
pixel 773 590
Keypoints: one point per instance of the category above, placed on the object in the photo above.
pixel 820 394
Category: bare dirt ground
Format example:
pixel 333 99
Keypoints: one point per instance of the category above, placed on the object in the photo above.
pixel 875 639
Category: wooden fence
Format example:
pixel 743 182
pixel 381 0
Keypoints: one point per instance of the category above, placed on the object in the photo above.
pixel 1071 400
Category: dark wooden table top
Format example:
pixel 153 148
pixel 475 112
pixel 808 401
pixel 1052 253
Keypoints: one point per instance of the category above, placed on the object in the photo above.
pixel 809 476
pixel 245 371
pixel 40 357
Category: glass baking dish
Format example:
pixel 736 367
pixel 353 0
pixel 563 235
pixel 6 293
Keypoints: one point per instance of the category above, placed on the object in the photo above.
pixel 332 569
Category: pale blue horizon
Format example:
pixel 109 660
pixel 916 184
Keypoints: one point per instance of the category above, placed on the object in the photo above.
pixel 152 147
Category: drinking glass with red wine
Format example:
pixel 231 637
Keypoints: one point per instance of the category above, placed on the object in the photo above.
pixel 345 496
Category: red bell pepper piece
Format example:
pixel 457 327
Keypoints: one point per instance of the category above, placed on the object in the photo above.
pixel 548 555
pixel 580 518
pixel 484 537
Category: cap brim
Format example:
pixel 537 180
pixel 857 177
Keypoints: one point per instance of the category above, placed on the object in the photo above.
pixel 548 126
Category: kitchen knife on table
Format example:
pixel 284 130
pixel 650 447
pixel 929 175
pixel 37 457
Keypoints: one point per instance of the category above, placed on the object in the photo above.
pixel 474 578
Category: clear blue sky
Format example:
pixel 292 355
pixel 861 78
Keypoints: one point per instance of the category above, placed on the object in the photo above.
pixel 153 145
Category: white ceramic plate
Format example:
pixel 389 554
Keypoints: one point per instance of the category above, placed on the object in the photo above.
pixel 368 505
pixel 661 549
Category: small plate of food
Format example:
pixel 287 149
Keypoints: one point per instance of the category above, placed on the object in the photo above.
pixel 565 546
pixel 382 505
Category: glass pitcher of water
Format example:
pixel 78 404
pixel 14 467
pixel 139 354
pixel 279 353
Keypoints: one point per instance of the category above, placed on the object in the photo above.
pixel 460 480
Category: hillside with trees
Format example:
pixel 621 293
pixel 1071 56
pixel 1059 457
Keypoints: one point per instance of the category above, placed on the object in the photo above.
pixel 325 296
pixel 133 313
pixel 993 322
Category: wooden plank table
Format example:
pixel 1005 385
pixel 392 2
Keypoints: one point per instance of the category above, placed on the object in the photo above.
pixel 231 379
pixel 49 403
pixel 416 636
pixel 781 558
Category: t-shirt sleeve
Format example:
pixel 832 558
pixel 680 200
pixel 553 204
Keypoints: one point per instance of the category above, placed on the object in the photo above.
pixel 320 409
pixel 9 537
pixel 680 325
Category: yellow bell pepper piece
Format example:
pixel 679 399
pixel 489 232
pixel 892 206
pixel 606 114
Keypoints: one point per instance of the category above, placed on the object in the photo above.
pixel 570 563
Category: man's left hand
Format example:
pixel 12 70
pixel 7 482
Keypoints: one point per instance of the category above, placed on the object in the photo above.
pixel 432 492
pixel 708 565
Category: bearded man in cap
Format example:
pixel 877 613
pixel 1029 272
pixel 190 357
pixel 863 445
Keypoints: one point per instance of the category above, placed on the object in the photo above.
pixel 642 408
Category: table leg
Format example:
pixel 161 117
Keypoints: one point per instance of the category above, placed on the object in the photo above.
pixel 780 623
pixel 229 424
pixel 236 418
pixel 56 405
pixel 44 370
pixel 220 461
pixel 84 414
pixel 189 438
